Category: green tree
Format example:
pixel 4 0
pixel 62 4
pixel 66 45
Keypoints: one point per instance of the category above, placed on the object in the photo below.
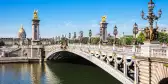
pixel 110 40
pixel 85 40
pixel 95 40
pixel 128 40
pixel 163 37
pixel 141 38
pixel 2 43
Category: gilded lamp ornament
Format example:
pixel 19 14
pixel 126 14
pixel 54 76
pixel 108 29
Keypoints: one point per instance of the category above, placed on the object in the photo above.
pixel 35 14
pixel 104 18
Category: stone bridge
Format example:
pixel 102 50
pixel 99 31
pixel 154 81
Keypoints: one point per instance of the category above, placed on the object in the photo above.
pixel 100 59
pixel 123 64
pixel 139 67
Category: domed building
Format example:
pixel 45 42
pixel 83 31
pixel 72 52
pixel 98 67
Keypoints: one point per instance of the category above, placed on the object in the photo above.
pixel 21 33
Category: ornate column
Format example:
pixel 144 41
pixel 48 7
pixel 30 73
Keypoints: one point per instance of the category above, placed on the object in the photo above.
pixel 103 30
pixel 35 28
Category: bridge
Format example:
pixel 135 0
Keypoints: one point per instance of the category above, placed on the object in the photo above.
pixel 130 65
pixel 123 64
pixel 101 58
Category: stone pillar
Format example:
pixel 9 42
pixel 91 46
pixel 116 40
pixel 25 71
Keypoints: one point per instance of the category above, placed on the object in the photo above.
pixel 35 29
pixel 103 32
pixel 146 49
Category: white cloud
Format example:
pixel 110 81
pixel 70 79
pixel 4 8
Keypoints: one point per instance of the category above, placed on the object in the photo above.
pixel 163 25
pixel 94 25
pixel 133 20
pixel 69 24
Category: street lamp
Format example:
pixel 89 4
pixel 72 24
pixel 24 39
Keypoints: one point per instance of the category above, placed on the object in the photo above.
pixel 74 36
pixel 81 36
pixel 69 37
pixel 123 42
pixel 151 17
pixel 90 35
pixel 135 31
pixel 115 32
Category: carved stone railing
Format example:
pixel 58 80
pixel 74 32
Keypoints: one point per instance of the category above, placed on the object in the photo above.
pixel 159 52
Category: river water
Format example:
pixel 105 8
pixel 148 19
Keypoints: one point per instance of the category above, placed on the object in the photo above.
pixel 53 73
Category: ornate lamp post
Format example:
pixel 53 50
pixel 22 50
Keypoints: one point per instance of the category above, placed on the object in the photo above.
pixel 69 37
pixel 81 36
pixel 151 18
pixel 123 42
pixel 74 36
pixel 115 32
pixel 90 35
pixel 135 31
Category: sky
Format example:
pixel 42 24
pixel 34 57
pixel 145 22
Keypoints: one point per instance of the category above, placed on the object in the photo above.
pixel 59 17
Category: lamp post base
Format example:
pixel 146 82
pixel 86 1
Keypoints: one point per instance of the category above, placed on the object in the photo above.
pixel 155 42
pixel 104 43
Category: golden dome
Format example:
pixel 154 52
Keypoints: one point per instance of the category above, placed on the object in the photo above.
pixel 21 32
pixel 21 29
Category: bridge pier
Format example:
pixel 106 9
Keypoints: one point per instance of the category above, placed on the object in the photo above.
pixel 37 53
pixel 33 53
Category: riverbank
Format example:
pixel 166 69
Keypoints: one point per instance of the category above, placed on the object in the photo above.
pixel 17 60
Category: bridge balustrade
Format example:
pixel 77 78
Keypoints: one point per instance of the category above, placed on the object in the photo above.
pixel 159 52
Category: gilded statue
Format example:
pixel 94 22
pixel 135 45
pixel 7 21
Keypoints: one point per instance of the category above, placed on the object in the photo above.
pixel 146 31
pixel 151 33
pixel 155 32
pixel 104 18
pixel 35 14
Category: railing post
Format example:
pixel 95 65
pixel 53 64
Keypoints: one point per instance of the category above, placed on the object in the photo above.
pixel 116 65
pixel 135 72
pixel 125 66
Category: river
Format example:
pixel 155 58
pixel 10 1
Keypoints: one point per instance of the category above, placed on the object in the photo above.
pixel 53 73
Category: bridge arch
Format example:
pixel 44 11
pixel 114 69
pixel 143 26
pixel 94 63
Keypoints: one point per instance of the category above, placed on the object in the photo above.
pixel 164 81
pixel 103 65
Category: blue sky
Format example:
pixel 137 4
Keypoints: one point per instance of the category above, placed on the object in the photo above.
pixel 63 16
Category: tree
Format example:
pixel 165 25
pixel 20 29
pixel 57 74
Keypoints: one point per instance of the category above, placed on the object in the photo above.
pixel 95 40
pixel 85 40
pixel 129 40
pixel 2 43
pixel 141 38
pixel 163 37
pixel 110 40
